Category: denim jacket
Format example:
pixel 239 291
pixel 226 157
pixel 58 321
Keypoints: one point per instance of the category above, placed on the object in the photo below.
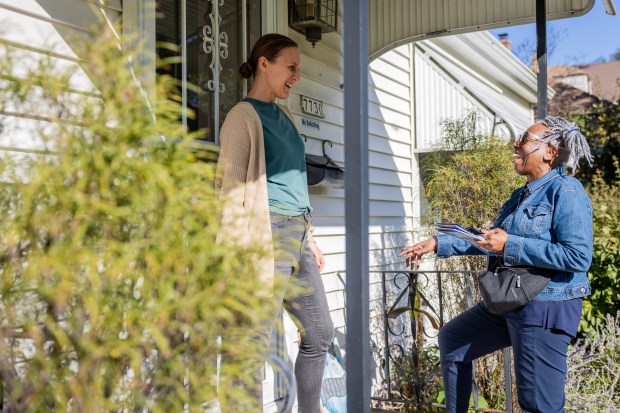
pixel 551 228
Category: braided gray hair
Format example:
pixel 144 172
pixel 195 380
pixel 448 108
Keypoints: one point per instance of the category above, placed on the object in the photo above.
pixel 567 137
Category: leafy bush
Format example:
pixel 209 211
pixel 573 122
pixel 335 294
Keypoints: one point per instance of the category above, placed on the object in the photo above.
pixel 604 272
pixel 469 182
pixel 602 128
pixel 593 379
pixel 113 290
pixel 406 374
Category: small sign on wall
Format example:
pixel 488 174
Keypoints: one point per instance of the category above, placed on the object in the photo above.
pixel 312 107
pixel 310 123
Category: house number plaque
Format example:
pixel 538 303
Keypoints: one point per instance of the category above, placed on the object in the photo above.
pixel 312 107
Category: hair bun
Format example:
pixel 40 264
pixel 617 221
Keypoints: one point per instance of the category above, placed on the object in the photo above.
pixel 246 71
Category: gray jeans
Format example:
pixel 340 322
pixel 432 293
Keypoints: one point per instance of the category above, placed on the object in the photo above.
pixel 309 310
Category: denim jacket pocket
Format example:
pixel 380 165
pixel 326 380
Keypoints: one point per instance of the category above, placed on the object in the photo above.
pixel 538 217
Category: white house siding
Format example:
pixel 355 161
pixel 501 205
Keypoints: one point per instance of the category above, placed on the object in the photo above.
pixel 455 102
pixel 461 92
pixel 390 159
pixel 455 75
pixel 391 108
pixel 31 30
pixel 391 177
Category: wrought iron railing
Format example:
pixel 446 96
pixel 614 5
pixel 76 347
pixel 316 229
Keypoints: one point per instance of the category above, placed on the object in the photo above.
pixel 406 306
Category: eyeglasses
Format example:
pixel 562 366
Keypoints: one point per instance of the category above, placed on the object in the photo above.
pixel 528 137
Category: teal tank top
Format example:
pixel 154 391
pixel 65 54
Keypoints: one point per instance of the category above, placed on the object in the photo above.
pixel 287 184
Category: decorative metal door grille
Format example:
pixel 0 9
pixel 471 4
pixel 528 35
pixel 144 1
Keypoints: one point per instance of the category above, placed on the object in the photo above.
pixel 212 36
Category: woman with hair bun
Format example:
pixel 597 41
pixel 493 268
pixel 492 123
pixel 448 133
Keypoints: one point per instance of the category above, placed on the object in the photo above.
pixel 546 224
pixel 262 177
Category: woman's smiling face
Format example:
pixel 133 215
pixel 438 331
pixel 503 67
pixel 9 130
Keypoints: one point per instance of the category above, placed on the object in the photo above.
pixel 283 72
pixel 530 152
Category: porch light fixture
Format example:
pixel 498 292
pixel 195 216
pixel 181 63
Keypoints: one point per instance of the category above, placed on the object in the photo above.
pixel 313 17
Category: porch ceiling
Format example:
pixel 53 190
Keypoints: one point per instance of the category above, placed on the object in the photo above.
pixel 395 22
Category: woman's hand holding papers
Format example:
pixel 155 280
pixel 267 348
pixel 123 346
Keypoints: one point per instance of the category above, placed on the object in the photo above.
pixel 494 240
pixel 413 255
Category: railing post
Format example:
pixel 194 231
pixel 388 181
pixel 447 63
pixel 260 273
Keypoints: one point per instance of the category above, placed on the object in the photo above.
pixel 386 341
pixel 415 356
pixel 508 380
pixel 440 292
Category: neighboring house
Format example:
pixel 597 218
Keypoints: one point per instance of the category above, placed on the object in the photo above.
pixel 569 100
pixel 579 88
pixel 411 89
pixel 601 80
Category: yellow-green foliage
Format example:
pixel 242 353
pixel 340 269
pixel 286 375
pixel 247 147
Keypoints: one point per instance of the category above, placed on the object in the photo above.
pixel 113 288
pixel 468 178
pixel 470 186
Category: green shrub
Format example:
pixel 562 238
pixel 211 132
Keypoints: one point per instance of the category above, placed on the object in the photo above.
pixel 604 272
pixel 602 128
pixel 467 179
pixel 113 290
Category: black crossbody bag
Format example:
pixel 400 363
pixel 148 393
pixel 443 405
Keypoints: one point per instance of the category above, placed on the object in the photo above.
pixel 507 289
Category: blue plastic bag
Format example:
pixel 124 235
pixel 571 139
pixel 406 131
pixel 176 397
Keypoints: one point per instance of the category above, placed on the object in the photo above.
pixel 334 388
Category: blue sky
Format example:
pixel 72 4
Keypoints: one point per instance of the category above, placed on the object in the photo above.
pixel 584 39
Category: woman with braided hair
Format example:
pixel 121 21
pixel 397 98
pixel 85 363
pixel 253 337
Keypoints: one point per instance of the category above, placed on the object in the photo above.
pixel 545 224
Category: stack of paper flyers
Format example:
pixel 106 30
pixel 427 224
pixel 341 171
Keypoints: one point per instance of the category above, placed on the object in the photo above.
pixel 471 234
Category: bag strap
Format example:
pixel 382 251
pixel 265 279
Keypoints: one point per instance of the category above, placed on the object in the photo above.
pixel 494 261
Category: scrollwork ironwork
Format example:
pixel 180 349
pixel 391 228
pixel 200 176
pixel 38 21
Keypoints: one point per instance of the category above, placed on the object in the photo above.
pixel 415 366
pixel 215 43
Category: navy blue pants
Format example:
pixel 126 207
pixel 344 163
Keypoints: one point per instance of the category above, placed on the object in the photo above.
pixel 539 356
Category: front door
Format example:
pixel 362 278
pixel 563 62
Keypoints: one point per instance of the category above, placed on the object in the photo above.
pixel 213 38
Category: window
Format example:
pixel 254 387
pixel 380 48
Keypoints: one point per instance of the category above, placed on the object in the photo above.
pixel 214 50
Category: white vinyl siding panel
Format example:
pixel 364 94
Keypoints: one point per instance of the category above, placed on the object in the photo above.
pixel 390 164
pixel 33 30
pixel 390 159
pixel 441 98
pixel 454 76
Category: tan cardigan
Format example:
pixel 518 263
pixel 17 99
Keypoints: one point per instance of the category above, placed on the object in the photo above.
pixel 242 184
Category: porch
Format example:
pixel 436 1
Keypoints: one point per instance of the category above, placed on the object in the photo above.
pixel 372 28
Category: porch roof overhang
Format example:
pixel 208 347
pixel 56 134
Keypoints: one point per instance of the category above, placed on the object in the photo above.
pixel 392 23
